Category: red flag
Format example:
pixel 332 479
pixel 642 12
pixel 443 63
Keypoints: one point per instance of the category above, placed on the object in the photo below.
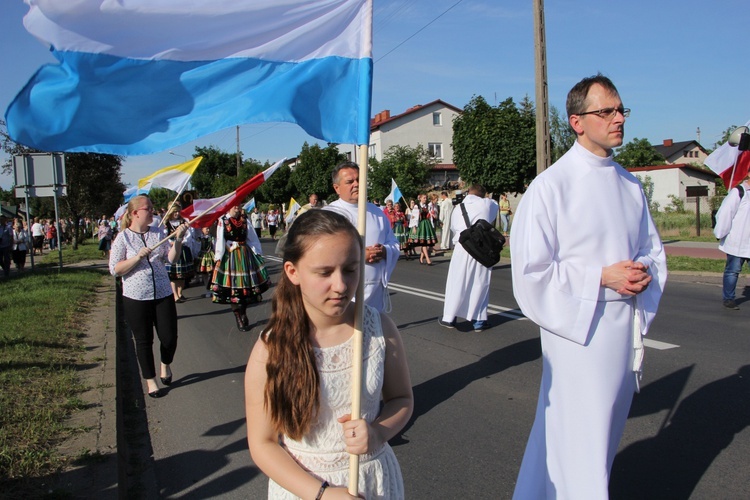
pixel 203 213
pixel 729 163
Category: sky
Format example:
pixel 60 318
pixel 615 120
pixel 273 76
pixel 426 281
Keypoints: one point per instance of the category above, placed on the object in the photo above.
pixel 681 66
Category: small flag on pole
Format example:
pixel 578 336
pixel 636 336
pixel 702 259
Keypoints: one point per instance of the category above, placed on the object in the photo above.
pixel 292 210
pixel 395 194
pixel 210 210
pixel 729 163
pixel 134 191
pixel 249 205
pixel 175 177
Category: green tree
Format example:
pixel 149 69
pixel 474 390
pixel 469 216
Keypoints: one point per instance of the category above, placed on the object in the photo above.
pixel 277 189
pixel 562 136
pixel 725 136
pixel 215 164
pixel 638 153
pixel 409 167
pixel 496 146
pixel 94 186
pixel 313 171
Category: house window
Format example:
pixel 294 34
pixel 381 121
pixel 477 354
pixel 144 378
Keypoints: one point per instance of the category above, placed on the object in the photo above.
pixel 435 149
pixel 437 118
pixel 371 151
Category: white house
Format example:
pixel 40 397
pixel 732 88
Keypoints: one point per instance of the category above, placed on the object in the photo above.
pixel 430 125
pixel 681 152
pixel 674 180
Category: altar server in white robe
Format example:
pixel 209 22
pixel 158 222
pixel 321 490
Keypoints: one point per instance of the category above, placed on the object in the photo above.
pixel 381 246
pixel 589 268
pixel 467 289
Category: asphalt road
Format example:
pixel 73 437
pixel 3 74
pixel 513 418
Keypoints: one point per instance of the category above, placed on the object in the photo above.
pixel 475 394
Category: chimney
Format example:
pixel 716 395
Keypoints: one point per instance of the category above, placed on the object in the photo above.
pixel 386 114
pixel 667 143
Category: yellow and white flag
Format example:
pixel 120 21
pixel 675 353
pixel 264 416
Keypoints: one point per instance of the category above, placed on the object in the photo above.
pixel 292 211
pixel 175 177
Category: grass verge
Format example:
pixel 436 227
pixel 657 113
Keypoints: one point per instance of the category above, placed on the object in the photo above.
pixel 40 355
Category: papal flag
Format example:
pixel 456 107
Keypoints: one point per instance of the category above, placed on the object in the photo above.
pixel 142 76
pixel 175 177
pixel 291 212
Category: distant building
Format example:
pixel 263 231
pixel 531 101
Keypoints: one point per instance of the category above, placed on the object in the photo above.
pixel 681 152
pixel 674 180
pixel 430 125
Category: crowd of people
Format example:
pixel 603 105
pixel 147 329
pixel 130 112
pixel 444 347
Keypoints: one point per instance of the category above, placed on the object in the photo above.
pixel 590 273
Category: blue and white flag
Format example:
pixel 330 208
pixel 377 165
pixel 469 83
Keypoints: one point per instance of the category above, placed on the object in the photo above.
pixel 142 76
pixel 395 193
pixel 249 205
pixel 134 191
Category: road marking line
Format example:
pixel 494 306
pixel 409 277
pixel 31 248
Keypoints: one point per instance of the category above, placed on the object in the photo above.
pixel 655 344
pixel 495 309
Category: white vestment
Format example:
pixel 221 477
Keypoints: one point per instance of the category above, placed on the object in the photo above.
pixel 446 209
pixel 378 230
pixel 733 223
pixel 583 213
pixel 467 289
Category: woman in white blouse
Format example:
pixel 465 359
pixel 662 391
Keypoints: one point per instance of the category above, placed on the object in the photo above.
pixel 148 301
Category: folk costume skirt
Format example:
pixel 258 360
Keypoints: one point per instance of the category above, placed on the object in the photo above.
pixel 425 236
pixel 400 233
pixel 240 278
pixel 206 264
pixel 182 268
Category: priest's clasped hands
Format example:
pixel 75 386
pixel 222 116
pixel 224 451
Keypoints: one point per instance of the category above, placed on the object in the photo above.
pixel 626 277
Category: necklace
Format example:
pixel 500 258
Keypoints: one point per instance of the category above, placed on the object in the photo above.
pixel 236 222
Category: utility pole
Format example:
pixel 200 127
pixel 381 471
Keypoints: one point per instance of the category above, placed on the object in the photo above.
pixel 542 101
pixel 239 162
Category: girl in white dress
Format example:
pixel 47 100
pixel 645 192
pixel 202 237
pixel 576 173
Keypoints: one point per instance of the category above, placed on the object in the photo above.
pixel 297 382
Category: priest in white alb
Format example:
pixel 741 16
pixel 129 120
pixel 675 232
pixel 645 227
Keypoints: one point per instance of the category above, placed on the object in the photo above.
pixel 467 288
pixel 381 246
pixel 589 268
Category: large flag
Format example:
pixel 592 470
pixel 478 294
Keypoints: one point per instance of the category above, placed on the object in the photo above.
pixel 175 177
pixel 395 193
pixel 729 163
pixel 292 210
pixel 216 207
pixel 143 76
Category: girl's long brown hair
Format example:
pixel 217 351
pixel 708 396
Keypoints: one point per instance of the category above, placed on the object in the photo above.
pixel 293 384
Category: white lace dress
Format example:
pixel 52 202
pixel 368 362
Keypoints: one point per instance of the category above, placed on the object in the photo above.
pixel 321 451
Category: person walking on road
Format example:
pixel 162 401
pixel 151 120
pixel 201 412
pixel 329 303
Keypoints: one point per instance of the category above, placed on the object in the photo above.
pixel 297 382
pixel 148 301
pixel 733 231
pixel 240 275
pixel 446 210
pixel 381 245
pixel 467 288
pixel 589 268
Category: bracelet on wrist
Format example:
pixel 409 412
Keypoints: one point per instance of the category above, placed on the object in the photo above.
pixel 322 490
pixel 178 240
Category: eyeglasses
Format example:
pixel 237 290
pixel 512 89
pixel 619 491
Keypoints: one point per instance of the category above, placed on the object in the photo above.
pixel 607 113
pixel 143 208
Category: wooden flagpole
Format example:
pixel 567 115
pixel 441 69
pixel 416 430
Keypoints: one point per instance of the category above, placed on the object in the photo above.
pixel 357 353
pixel 221 200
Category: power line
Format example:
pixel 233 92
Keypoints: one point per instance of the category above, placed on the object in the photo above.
pixel 419 30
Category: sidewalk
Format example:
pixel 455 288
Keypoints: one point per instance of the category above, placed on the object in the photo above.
pixel 699 249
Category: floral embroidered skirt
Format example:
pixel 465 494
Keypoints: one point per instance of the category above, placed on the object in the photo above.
pixel 240 278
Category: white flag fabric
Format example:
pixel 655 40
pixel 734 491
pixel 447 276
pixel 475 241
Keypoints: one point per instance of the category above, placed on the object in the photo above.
pixel 142 76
